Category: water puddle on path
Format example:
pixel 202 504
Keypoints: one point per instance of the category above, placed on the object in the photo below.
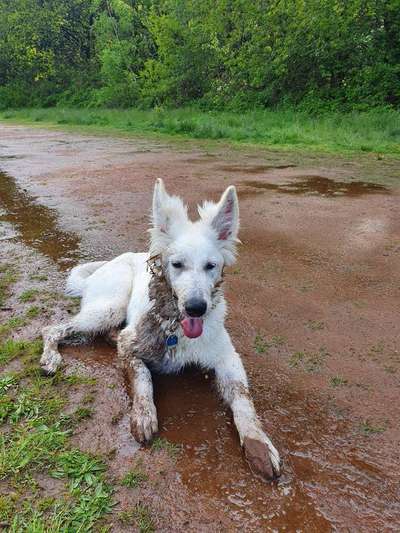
pixel 316 185
pixel 37 225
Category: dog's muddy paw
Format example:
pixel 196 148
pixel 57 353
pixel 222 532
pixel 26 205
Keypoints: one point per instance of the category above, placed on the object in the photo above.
pixel 144 422
pixel 264 460
pixel 50 362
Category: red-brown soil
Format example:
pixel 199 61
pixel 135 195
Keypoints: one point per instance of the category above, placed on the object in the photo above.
pixel 314 311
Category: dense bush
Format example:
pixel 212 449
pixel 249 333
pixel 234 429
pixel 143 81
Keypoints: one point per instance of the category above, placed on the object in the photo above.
pixel 223 54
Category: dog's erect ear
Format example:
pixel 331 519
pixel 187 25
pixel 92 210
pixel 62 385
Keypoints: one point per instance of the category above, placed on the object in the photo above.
pixel 223 218
pixel 168 216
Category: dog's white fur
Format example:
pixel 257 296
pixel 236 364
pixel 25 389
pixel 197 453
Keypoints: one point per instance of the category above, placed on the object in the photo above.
pixel 116 292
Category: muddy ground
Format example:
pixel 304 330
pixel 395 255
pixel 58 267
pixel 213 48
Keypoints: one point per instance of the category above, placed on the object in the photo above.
pixel 314 311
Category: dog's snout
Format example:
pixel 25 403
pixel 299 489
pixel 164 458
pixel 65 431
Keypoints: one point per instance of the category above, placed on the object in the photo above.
pixel 195 307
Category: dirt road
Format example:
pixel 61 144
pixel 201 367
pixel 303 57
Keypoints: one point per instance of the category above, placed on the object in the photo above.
pixel 314 311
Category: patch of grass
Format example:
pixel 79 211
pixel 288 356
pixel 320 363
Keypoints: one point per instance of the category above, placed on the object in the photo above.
pixel 140 514
pixel 338 381
pixel 12 323
pixel 31 446
pixel 309 361
pixel 82 413
pixel 80 467
pixel 28 296
pixel 74 379
pixel 134 478
pixel 315 325
pixel 8 276
pixel 356 132
pixel 160 443
pixel 367 428
pixel 11 349
pixel 260 344
pixel 6 382
pixel 33 311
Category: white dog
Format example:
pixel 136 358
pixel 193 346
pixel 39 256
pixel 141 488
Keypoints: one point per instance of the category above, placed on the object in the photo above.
pixel 171 304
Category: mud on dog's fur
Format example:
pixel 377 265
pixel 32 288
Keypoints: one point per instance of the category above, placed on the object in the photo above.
pixel 171 303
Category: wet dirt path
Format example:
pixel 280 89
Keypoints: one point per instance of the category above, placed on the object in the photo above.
pixel 313 311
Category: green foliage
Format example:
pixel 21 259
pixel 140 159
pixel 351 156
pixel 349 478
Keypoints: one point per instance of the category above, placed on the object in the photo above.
pixel 134 478
pixel 232 54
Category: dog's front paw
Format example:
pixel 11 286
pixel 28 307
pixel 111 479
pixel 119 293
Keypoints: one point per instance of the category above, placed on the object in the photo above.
pixel 50 361
pixel 144 422
pixel 262 455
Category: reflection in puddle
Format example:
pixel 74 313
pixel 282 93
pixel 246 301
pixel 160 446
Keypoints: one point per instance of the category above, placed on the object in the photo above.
pixel 318 185
pixel 36 224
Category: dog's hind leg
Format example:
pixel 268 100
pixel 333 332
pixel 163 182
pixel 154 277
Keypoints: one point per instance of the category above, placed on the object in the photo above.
pixel 232 383
pixel 98 317
pixel 52 335
pixel 143 415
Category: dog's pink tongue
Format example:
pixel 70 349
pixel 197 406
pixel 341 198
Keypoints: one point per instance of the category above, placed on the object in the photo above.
pixel 192 327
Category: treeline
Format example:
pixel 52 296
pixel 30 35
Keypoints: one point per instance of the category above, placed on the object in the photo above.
pixel 217 54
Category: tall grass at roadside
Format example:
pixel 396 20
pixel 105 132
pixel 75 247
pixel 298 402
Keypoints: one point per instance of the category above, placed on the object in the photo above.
pixel 371 131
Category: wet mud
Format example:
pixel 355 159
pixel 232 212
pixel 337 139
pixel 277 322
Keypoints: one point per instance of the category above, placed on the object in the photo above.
pixel 319 185
pixel 313 312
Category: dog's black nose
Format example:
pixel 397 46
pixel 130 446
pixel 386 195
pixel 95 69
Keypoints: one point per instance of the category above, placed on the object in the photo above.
pixel 195 307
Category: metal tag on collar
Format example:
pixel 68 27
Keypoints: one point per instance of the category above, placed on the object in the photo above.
pixel 172 341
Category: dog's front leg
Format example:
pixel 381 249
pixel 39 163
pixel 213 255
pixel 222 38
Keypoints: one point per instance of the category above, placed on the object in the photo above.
pixel 258 448
pixel 143 415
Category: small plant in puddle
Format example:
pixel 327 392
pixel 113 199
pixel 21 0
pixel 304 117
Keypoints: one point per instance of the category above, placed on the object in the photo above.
pixel 160 443
pixel 338 381
pixel 134 478
pixel 28 295
pixel 367 428
pixel 260 344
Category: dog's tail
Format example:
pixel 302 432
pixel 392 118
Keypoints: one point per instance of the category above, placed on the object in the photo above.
pixel 77 278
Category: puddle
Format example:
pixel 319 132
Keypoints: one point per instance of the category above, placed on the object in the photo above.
pixel 254 169
pixel 318 185
pixel 37 225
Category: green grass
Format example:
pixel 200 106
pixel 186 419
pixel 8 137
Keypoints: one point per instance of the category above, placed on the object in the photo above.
pixel 10 349
pixel 7 278
pixel 28 296
pixel 160 443
pixel 139 516
pixel 338 381
pixel 359 132
pixel 134 478
pixel 367 428
pixel 308 361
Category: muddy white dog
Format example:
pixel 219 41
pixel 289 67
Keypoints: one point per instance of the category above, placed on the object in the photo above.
pixel 171 304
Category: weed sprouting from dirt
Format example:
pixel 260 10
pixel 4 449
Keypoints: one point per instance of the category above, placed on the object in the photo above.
pixel 134 478
pixel 338 381
pixel 367 428
pixel 309 361
pixel 160 443
pixel 29 295
pixel 139 516
pixel 260 344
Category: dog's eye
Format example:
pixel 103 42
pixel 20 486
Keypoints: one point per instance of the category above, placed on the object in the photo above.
pixel 177 264
pixel 210 266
